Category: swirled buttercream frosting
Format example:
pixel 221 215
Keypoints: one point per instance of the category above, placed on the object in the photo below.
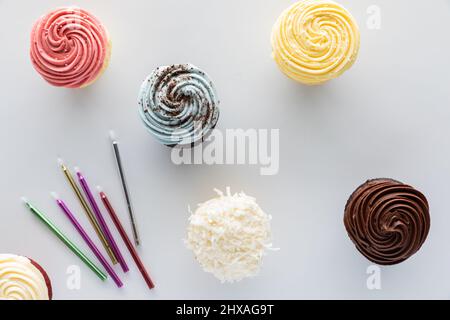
pixel 314 41
pixel 178 104
pixel 69 47
pixel 387 220
pixel 23 279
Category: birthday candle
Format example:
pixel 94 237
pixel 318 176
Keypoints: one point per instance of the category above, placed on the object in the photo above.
pixel 65 240
pixel 101 220
pixel 126 191
pixel 88 211
pixel 125 238
pixel 87 239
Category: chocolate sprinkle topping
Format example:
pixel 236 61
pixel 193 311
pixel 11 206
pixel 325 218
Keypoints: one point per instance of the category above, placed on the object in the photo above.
pixel 178 104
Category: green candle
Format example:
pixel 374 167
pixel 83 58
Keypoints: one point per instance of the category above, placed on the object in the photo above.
pixel 66 241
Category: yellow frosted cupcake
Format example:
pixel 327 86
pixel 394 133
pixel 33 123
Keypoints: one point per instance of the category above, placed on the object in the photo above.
pixel 314 41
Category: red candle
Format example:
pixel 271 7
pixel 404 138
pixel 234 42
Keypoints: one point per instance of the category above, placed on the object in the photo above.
pixel 126 239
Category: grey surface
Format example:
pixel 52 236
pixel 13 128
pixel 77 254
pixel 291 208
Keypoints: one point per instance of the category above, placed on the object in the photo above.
pixel 387 117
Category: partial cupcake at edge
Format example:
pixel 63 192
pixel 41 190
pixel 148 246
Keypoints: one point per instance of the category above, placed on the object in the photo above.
pixel 314 41
pixel 387 220
pixel 70 47
pixel 178 105
pixel 23 279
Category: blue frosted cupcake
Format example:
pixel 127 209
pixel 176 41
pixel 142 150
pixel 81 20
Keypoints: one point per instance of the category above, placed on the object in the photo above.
pixel 178 104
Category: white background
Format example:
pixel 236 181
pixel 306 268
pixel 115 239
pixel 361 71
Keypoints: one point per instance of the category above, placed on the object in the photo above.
pixel 386 117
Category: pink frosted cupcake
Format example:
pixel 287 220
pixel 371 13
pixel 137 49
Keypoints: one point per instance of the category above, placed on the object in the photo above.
pixel 23 279
pixel 70 47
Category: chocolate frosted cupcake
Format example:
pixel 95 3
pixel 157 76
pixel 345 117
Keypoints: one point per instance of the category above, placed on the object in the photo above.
pixel 178 104
pixel 387 220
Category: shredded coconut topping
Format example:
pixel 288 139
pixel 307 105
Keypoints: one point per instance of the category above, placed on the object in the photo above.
pixel 229 235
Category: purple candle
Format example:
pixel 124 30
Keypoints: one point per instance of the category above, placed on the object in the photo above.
pixel 88 240
pixel 101 220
